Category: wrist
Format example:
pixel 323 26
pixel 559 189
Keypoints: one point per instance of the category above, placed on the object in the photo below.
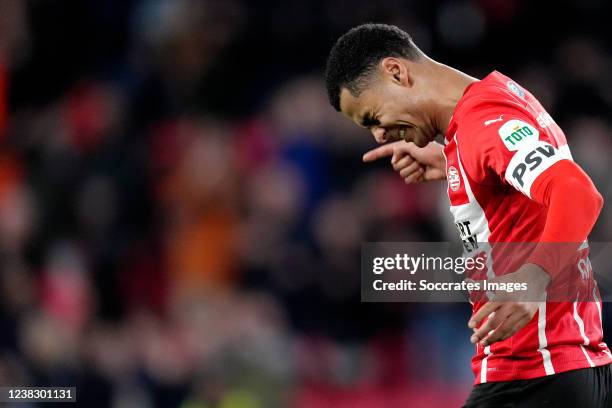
pixel 537 276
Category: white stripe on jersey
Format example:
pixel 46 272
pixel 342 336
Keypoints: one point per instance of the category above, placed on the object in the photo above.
pixel 548 368
pixel 483 365
pixel 473 211
pixel 587 356
pixel 598 304
pixel 580 323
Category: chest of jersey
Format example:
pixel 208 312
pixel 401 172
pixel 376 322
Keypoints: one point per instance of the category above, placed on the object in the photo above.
pixel 468 215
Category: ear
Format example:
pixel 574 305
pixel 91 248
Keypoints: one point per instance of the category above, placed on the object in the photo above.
pixel 396 70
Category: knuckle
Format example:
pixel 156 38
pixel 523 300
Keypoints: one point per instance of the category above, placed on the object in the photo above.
pixel 524 309
pixel 503 336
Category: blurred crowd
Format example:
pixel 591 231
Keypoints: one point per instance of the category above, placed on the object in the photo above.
pixel 181 211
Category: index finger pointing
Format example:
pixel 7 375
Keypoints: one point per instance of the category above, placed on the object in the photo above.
pixel 379 152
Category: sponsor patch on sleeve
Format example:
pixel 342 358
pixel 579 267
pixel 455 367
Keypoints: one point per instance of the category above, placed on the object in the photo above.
pixel 515 133
pixel 530 161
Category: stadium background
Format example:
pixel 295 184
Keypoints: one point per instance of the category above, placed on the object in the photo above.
pixel 181 211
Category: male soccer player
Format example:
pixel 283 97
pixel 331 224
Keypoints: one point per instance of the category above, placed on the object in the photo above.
pixel 511 178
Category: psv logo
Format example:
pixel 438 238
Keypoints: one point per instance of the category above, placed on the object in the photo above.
pixel 532 161
pixel 454 181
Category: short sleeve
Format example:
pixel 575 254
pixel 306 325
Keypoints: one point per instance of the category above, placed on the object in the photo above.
pixel 505 144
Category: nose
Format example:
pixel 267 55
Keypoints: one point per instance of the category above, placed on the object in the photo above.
pixel 379 135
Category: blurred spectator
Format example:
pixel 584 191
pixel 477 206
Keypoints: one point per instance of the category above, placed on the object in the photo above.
pixel 181 211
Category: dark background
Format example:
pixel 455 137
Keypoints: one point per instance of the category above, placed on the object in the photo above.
pixel 181 211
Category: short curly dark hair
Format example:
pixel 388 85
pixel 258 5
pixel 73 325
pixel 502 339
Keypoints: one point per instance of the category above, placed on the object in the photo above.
pixel 356 54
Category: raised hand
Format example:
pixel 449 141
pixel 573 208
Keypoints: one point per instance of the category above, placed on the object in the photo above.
pixel 414 164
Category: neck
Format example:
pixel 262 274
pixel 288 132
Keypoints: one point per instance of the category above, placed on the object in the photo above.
pixel 450 85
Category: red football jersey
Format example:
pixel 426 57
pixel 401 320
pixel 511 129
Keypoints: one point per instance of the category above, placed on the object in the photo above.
pixel 500 139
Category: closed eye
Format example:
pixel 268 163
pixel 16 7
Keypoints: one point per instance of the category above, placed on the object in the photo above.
pixel 368 121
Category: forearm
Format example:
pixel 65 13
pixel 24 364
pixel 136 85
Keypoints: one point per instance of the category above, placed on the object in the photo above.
pixel 573 205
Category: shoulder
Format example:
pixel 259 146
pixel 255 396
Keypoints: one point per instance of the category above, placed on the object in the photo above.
pixel 490 131
pixel 495 123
